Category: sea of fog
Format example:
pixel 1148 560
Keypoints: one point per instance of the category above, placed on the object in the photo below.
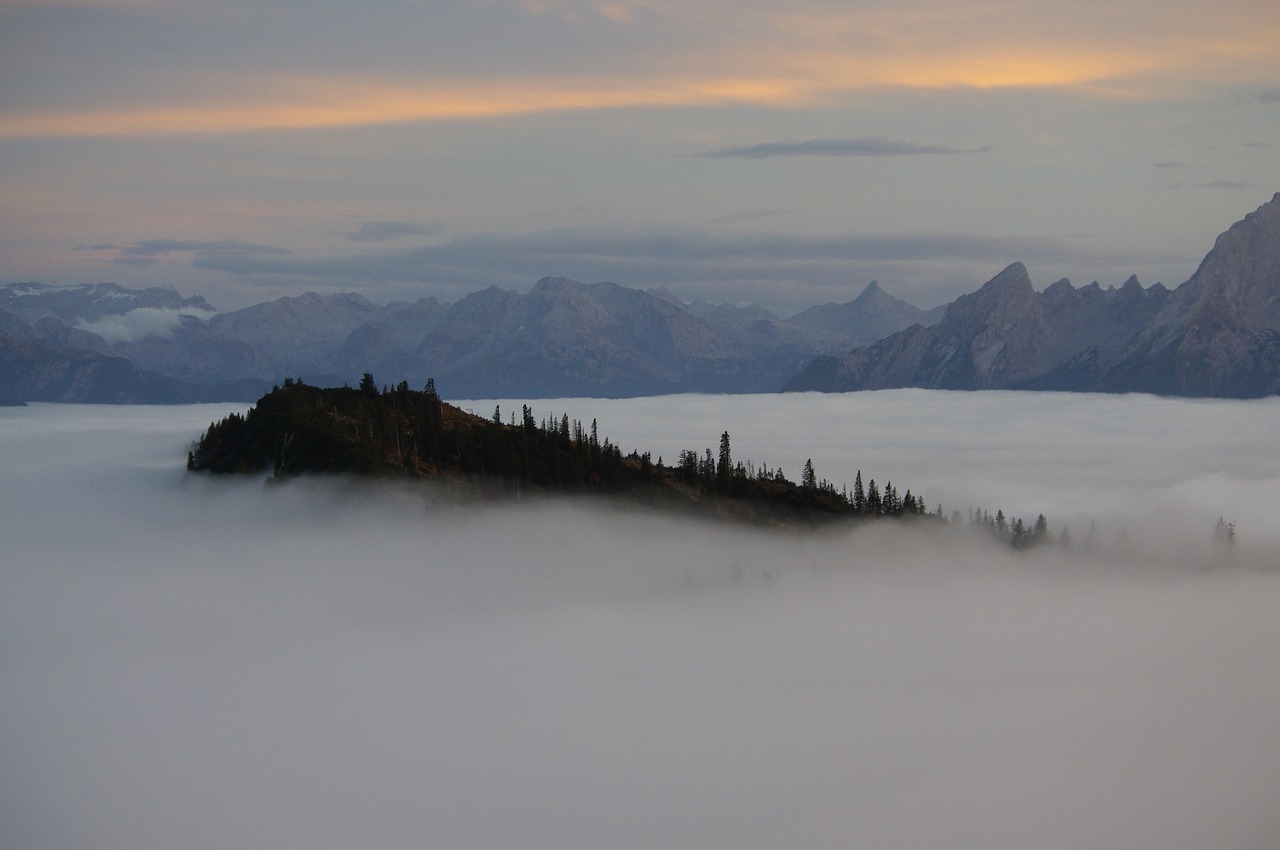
pixel 188 662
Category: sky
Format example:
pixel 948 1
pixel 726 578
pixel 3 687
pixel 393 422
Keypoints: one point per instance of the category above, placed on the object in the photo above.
pixel 746 152
pixel 202 663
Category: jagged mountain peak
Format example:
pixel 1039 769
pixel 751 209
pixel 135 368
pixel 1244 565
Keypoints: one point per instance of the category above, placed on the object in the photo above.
pixel 1010 290
pixel 1059 288
pixel 872 315
pixel 871 292
pixel 1013 277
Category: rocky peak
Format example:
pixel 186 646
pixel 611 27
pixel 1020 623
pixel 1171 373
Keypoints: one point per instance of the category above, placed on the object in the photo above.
pixel 1060 289
pixel 1239 280
pixel 872 292
pixel 1009 292
pixel 1014 278
pixel 873 315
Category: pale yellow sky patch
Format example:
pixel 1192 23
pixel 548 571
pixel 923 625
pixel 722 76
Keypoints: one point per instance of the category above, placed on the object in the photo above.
pixel 318 103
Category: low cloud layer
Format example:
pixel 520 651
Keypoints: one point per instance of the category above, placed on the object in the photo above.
pixel 149 251
pixel 206 663
pixel 139 323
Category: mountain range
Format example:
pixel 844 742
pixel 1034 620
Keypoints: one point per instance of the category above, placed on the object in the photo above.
pixel 1217 334
pixel 102 342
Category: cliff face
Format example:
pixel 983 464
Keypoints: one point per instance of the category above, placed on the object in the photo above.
pixel 1219 335
pixel 1216 335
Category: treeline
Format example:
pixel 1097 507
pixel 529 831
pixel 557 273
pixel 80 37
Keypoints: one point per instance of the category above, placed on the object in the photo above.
pixel 298 429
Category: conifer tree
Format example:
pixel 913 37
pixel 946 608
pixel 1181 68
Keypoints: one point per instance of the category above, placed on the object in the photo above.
pixel 1224 533
pixel 1040 533
pixel 724 468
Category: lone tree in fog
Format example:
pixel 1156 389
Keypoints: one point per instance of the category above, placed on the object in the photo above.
pixel 1224 533
pixel 808 478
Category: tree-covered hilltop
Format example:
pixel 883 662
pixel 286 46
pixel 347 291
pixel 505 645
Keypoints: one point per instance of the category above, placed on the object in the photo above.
pixel 298 429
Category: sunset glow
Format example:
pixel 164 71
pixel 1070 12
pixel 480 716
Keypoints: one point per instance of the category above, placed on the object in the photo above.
pixel 503 118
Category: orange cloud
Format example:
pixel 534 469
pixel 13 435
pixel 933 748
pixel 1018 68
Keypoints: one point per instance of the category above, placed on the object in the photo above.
pixel 765 58
pixel 324 103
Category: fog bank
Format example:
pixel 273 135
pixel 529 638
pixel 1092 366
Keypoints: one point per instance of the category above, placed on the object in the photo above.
pixel 192 662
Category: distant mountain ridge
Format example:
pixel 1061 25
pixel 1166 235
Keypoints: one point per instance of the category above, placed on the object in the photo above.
pixel 1216 335
pixel 47 361
pixel 90 302
pixel 561 338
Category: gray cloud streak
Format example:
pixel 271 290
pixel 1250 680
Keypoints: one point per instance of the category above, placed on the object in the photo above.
pixel 1225 184
pixel 783 271
pixel 661 253
pixel 863 146
pixel 160 247
pixel 385 231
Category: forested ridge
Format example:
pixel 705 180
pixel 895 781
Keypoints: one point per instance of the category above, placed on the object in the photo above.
pixel 297 429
